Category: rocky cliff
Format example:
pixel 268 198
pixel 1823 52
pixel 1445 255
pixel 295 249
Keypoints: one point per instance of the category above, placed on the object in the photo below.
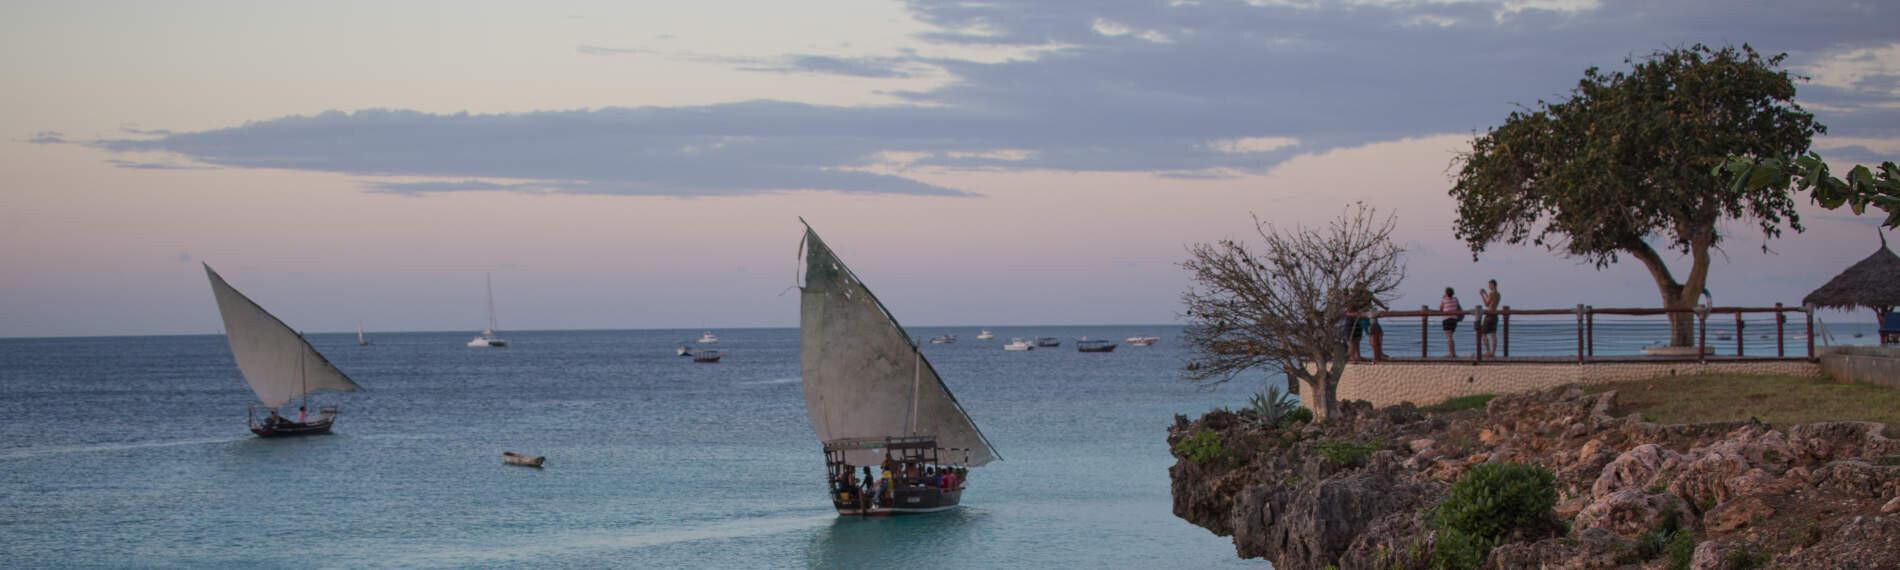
pixel 1356 492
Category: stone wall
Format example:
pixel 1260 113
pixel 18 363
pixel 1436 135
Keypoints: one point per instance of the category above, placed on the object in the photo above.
pixel 1426 383
pixel 1875 365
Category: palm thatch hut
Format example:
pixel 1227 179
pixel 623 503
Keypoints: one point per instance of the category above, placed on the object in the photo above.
pixel 1873 283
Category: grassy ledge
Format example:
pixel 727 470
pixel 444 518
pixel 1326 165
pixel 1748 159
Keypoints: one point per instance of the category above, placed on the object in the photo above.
pixel 1781 400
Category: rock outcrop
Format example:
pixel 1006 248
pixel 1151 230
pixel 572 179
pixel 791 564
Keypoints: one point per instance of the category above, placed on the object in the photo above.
pixel 1356 491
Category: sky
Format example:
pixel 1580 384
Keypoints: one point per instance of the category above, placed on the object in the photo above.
pixel 643 165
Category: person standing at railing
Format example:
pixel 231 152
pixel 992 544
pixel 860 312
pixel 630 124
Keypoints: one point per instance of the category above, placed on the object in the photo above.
pixel 1488 321
pixel 1454 312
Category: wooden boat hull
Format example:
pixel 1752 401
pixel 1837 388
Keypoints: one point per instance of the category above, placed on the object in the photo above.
pixel 512 458
pixel 1109 348
pixel 905 501
pixel 287 428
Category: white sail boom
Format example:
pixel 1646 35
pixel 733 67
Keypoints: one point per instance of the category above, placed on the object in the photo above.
pixel 863 377
pixel 276 361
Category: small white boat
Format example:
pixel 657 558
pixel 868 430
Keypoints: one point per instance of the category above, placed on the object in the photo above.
pixel 708 338
pixel 1019 345
pixel 512 458
pixel 488 339
pixel 985 335
pixel 1141 340
pixel 360 341
pixel 944 339
pixel 708 356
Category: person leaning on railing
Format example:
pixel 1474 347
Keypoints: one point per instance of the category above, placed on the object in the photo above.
pixel 1454 312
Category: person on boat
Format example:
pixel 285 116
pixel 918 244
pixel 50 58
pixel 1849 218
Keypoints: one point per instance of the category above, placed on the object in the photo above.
pixel 300 413
pixel 273 419
pixel 1454 312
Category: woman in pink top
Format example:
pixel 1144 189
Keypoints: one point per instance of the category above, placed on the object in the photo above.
pixel 1454 312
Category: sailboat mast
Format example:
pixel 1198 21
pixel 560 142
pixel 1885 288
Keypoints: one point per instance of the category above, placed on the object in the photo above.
pixel 916 379
pixel 303 380
pixel 490 279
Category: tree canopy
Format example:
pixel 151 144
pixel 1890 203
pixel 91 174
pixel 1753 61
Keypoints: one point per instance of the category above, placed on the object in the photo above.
pixel 1629 164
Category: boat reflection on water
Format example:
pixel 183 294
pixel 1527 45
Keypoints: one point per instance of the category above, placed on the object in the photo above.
pixel 897 542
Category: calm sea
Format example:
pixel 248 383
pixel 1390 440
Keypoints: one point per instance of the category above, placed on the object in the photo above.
pixel 133 452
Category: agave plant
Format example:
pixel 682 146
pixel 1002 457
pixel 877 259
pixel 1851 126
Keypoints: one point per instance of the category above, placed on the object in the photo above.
pixel 1272 408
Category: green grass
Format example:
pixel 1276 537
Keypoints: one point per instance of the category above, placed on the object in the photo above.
pixel 1460 403
pixel 1779 400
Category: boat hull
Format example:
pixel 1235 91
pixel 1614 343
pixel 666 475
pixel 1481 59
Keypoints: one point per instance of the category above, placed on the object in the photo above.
pixel 912 501
pixel 287 428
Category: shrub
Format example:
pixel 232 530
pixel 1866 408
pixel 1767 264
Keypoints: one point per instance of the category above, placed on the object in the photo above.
pixel 1487 503
pixel 1745 558
pixel 1460 403
pixel 1201 448
pixel 1345 453
pixel 1457 550
pixel 1299 416
pixel 1273 408
pixel 1680 551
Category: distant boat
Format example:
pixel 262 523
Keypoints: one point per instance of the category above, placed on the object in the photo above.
pixel 874 400
pixel 708 355
pixel 488 339
pixel 708 338
pixel 278 364
pixel 1048 342
pixel 944 339
pixel 1019 345
pixel 683 351
pixel 985 335
pixel 360 341
pixel 1141 340
pixel 1086 345
pixel 512 458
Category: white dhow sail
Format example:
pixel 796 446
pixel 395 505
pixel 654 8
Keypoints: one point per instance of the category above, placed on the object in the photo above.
pixel 864 378
pixel 275 360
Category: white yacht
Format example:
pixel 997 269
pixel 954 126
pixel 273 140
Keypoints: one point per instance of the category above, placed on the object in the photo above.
pixel 985 335
pixel 488 339
pixel 708 338
pixel 1141 340
pixel 1019 345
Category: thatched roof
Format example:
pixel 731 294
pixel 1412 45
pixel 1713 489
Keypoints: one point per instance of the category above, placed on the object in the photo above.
pixel 1874 282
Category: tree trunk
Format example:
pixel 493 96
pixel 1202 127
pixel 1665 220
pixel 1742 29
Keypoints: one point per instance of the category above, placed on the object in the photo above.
pixel 1677 296
pixel 1321 396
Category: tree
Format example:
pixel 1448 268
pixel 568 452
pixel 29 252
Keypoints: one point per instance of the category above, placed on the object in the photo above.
pixel 1282 306
pixel 1863 187
pixel 1632 157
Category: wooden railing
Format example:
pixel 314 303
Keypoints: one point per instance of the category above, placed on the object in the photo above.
pixel 1582 334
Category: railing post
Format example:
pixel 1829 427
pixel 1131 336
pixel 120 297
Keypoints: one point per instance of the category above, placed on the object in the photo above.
pixel 1780 351
pixel 1809 309
pixel 1477 334
pixel 1579 333
pixel 1590 331
pixel 1739 334
pixel 1506 341
pixel 1702 336
pixel 1424 332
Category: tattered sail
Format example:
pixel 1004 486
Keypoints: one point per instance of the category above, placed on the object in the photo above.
pixel 864 378
pixel 275 360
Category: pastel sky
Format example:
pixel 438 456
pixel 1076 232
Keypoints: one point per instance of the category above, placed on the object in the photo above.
pixel 643 165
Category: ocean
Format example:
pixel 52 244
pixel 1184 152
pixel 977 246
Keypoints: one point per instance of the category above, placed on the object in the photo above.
pixel 133 451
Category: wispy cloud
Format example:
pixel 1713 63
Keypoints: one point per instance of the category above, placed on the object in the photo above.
pixel 47 137
pixel 1216 89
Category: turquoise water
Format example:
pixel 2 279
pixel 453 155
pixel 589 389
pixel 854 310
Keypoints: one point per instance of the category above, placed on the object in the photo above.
pixel 133 452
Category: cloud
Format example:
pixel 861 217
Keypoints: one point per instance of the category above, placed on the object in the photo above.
pixel 1213 89
pixel 47 137
pixel 138 165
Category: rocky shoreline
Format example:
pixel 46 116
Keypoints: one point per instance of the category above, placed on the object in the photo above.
pixel 1356 492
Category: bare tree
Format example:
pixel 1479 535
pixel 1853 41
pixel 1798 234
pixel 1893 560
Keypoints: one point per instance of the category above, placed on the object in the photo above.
pixel 1283 306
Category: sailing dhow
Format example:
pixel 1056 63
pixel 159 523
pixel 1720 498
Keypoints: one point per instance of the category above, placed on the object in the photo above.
pixel 875 401
pixel 278 363
pixel 488 339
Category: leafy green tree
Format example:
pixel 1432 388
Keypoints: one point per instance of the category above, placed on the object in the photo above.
pixel 1629 165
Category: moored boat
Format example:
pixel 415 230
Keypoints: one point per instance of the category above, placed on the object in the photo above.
pixel 1141 340
pixel 944 339
pixel 1086 345
pixel 1048 342
pixel 708 356
pixel 1019 345
pixel 512 458
pixel 277 363
pixel 488 339
pixel 875 402
pixel 708 338
pixel 985 335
